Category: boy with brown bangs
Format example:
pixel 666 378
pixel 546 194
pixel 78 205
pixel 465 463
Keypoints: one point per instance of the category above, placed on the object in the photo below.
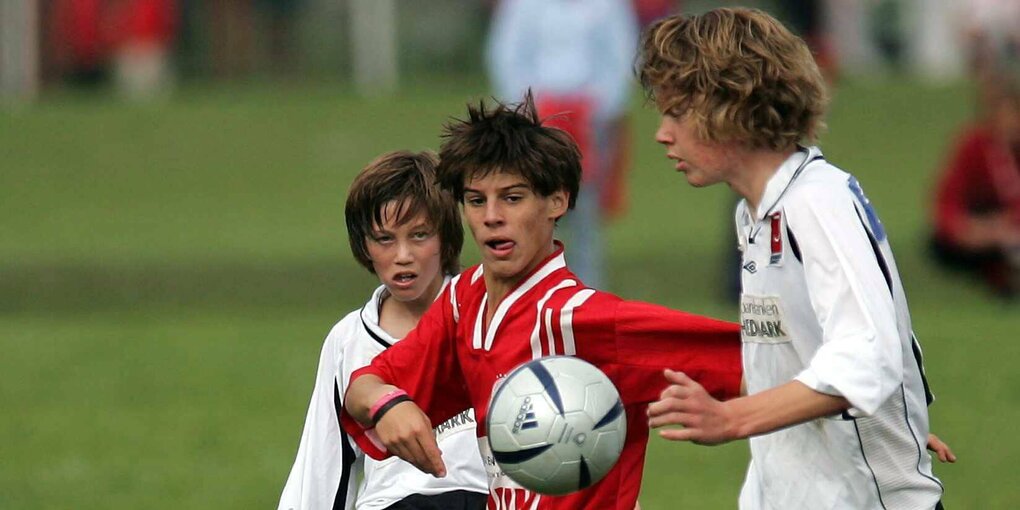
pixel 515 179
pixel 837 406
pixel 407 232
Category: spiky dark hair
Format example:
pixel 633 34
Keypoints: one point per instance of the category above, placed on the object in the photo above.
pixel 508 138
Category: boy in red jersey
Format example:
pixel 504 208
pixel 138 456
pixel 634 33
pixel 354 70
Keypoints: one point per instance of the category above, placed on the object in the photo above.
pixel 515 178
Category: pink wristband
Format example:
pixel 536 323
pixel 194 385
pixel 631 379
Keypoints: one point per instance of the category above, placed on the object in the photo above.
pixel 383 400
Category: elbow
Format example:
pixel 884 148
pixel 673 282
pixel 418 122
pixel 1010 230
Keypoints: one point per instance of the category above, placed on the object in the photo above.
pixel 355 399
pixel 865 381
pixel 885 380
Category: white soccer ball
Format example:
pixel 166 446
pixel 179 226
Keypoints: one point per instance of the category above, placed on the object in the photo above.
pixel 556 425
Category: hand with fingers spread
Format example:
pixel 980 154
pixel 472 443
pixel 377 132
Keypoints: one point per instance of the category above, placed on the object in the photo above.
pixel 684 402
pixel 407 433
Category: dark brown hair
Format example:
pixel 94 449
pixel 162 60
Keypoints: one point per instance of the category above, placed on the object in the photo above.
pixel 739 73
pixel 511 139
pixel 409 180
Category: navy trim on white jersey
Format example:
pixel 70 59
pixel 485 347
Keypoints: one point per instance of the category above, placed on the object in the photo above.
pixel 882 265
pixel 874 478
pixel 794 247
pixel 373 334
pixel 348 453
pixel 915 347
pixel 920 451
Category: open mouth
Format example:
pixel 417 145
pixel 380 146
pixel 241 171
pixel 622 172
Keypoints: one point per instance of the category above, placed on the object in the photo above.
pixel 404 278
pixel 679 162
pixel 500 246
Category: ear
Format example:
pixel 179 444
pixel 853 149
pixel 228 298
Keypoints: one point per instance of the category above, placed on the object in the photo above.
pixel 559 202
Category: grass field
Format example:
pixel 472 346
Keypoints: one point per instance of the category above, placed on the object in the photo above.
pixel 167 274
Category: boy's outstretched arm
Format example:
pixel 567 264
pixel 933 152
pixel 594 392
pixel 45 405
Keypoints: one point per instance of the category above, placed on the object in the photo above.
pixel 709 421
pixel 403 429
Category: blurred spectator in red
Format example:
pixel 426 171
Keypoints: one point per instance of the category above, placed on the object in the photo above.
pixel 86 36
pixel 141 33
pixel 75 40
pixel 977 206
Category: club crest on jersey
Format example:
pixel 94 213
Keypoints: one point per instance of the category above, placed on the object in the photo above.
pixel 776 239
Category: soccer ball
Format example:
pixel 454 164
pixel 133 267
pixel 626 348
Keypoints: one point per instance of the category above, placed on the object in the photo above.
pixel 556 425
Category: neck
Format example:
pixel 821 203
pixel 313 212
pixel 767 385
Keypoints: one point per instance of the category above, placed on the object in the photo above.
pixel 754 169
pixel 399 317
pixel 498 287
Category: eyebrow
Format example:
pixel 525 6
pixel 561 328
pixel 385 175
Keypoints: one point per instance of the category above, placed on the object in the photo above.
pixel 421 224
pixel 525 186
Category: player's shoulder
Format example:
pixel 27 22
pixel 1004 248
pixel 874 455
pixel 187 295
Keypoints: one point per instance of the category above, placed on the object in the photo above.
pixel 819 175
pixel 463 288
pixel 343 329
pixel 467 279
pixel 349 327
pixel 820 184
pixel 580 297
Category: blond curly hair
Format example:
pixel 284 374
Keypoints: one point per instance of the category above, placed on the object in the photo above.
pixel 740 74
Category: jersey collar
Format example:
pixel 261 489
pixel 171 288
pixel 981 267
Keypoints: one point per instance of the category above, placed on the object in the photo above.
pixel 370 314
pixel 788 171
pixel 551 264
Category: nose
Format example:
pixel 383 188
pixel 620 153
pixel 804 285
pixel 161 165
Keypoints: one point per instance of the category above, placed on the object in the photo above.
pixel 493 214
pixel 662 135
pixel 404 255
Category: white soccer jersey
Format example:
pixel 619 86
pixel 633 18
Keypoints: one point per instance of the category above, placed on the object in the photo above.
pixel 326 471
pixel 822 303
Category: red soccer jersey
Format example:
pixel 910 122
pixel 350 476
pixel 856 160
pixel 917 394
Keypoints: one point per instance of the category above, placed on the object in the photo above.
pixel 452 360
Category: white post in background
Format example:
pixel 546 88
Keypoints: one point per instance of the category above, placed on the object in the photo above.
pixel 374 46
pixel 849 26
pixel 19 50
pixel 934 43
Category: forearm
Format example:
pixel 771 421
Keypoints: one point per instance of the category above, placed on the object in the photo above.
pixel 362 393
pixel 780 407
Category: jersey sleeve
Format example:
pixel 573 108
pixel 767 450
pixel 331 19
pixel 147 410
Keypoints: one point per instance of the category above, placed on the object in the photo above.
pixel 634 342
pixel 860 357
pixel 425 365
pixel 323 473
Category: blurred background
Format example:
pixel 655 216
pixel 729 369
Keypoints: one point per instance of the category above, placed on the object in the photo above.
pixel 172 247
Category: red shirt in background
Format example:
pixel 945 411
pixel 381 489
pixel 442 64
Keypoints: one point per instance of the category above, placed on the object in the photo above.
pixel 982 176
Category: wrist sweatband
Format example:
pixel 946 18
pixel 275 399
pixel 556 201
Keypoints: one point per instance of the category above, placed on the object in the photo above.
pixel 385 403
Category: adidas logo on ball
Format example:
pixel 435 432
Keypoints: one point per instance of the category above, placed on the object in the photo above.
pixel 525 417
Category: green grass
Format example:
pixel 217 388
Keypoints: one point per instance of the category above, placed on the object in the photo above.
pixel 167 274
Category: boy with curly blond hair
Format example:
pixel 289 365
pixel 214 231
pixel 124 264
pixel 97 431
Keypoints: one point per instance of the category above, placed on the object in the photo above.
pixel 837 395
